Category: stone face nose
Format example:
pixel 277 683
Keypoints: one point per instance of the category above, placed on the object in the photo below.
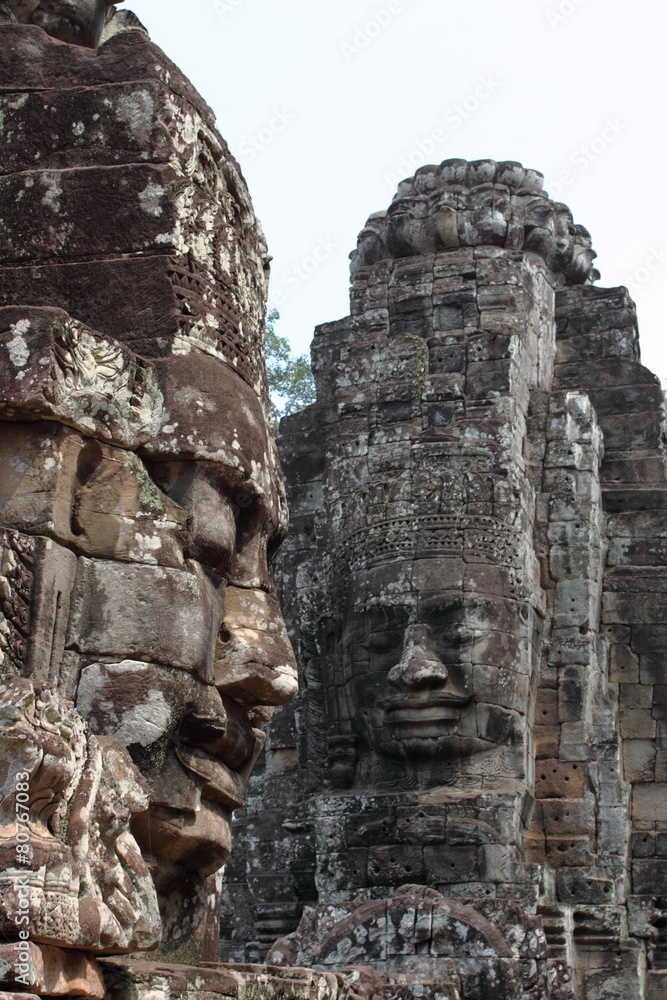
pixel 254 660
pixel 420 665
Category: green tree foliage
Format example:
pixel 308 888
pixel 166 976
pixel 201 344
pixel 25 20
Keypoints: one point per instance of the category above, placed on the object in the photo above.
pixel 290 377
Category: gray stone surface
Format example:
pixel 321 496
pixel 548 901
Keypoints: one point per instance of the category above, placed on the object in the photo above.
pixel 473 584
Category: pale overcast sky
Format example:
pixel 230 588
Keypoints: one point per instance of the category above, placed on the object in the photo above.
pixel 327 105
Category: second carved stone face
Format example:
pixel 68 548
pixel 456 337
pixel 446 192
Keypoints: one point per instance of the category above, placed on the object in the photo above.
pixel 436 682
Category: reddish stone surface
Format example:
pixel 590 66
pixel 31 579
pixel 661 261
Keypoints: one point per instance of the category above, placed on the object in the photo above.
pixel 140 489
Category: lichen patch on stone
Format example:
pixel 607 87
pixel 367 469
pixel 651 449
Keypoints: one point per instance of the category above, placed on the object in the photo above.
pixel 19 353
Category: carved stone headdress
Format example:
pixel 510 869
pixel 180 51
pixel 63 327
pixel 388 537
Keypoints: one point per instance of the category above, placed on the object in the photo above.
pixel 482 203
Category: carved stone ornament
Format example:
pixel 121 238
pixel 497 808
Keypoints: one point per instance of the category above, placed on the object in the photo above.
pixel 73 796
pixel 417 935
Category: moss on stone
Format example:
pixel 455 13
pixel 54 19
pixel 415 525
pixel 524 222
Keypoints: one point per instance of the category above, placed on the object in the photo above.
pixel 422 356
pixel 149 495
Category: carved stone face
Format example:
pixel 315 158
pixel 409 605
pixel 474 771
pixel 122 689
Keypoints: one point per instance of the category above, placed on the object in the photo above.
pixel 168 635
pixel 437 681
pixel 79 22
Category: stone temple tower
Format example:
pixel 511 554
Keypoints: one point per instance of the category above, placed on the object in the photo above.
pixel 471 787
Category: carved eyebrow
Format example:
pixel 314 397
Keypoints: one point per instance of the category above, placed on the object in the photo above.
pixel 386 641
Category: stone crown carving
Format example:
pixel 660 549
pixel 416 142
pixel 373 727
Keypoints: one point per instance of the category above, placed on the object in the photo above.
pixel 481 203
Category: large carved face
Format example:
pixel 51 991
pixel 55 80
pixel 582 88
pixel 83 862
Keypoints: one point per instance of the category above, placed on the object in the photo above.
pixel 79 22
pixel 436 681
pixel 150 537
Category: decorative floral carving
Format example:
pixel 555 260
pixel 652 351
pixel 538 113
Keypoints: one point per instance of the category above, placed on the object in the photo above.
pixel 88 885
pixel 16 556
